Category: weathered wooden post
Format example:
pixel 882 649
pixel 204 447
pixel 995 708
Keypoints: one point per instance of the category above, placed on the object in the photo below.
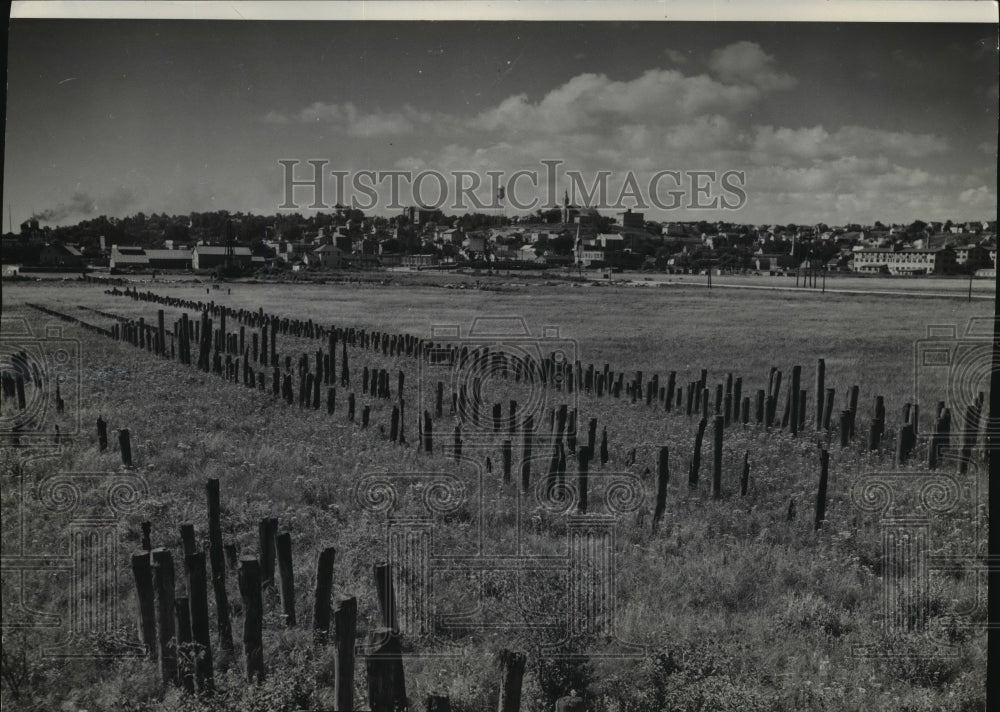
pixel 940 437
pixel 324 588
pixel 217 558
pixel 266 535
pixel 745 476
pixel 102 434
pixel 386 596
pixel 824 469
pixel 720 424
pixel 287 581
pixel 365 414
pixel 820 391
pixel 828 399
pixel 253 618
pixel 794 393
pixel 852 405
pixel 125 444
pixel 428 433
pixel 696 455
pixel 188 545
pixel 147 533
pixel 185 648
pixel 163 586
pixel 904 443
pixel 583 463
pixel 604 446
pixel 845 428
pixel 394 424
pixel 384 664
pixel 511 674
pixel 345 615
pixel 198 595
pixel 350 407
pixel 662 477
pixel 142 572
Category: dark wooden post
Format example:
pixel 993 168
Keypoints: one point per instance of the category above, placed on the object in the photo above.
pixel 662 477
pixel 147 542
pixel 794 393
pixel 384 664
pixel 820 391
pixel 720 424
pixel 324 587
pixel 331 400
pixel 824 469
pixel 365 413
pixel 511 673
pixel 696 455
pixel 163 585
pixel 428 433
pixel 583 462
pixel 198 594
pixel 345 615
pixel 142 572
pixel 284 551
pixel 904 443
pixel 102 434
pixel 266 535
pixel 125 444
pixel 253 618
pixel 604 446
pixel 185 648
pixel 218 560
pixel 745 476
pixel 394 424
pixel 386 596
pixel 845 428
pixel 828 400
pixel 187 539
pixel 852 405
pixel 350 407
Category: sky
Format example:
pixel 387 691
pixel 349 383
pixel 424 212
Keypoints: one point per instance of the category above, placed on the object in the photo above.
pixel 825 122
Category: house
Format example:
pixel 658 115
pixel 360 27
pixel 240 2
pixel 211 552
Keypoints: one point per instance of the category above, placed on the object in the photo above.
pixel 610 241
pixel 56 255
pixel 168 259
pixel 211 256
pixel 128 257
pixel 588 257
pixel 327 256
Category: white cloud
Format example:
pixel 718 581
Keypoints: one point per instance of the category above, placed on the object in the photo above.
pixel 745 62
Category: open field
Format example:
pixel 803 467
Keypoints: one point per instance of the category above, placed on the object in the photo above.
pixel 738 606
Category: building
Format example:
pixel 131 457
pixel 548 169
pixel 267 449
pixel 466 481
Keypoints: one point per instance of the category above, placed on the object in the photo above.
pixel 56 255
pixel 589 256
pixel 328 256
pixel 418 261
pixel 630 219
pixel 168 259
pixel 128 257
pixel 205 257
pixel 907 261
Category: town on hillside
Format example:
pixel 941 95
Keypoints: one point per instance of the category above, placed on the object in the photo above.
pixel 569 237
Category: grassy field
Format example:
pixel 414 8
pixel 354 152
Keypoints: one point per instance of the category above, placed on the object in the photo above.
pixel 738 607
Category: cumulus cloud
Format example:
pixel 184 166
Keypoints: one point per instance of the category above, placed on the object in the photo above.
pixel 745 62
pixel 816 142
pixel 352 121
